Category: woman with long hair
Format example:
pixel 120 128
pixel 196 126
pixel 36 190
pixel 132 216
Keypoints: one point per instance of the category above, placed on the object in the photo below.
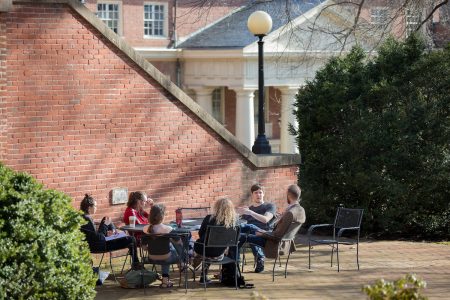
pixel 223 214
pixel 156 226
pixel 137 202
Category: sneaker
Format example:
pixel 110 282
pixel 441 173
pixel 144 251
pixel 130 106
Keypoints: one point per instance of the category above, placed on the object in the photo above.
pixel 206 279
pixel 259 266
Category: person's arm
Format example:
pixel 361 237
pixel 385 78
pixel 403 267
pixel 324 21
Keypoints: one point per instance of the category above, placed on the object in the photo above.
pixel 280 229
pixel 264 218
pixel 203 227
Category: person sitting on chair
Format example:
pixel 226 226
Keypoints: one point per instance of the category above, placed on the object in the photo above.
pixel 223 215
pixel 137 201
pixel 156 219
pixel 269 240
pixel 258 216
pixel 97 238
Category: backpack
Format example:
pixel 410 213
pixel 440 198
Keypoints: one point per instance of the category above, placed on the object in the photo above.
pixel 228 276
pixel 135 279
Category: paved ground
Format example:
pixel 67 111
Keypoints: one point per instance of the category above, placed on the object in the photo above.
pixel 378 259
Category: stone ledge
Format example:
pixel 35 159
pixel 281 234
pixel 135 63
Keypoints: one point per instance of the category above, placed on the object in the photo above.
pixel 259 161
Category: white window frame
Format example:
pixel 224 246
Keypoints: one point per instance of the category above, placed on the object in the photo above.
pixel 379 15
pixel 220 116
pixel 413 18
pixel 165 21
pixel 119 10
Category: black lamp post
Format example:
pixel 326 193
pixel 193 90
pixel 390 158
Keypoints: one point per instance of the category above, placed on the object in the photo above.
pixel 260 23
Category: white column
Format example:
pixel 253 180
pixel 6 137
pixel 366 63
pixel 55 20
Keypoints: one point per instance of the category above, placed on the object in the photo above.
pixel 203 96
pixel 288 143
pixel 245 126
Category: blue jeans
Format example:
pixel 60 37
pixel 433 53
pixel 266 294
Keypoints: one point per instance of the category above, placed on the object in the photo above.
pixel 248 230
pixel 176 251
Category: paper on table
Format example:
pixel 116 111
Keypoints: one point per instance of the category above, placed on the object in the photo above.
pixel 115 236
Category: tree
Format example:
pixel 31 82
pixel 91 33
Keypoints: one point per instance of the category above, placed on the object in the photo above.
pixel 374 134
pixel 42 253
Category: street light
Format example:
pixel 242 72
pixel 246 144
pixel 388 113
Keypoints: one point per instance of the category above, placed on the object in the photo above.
pixel 260 23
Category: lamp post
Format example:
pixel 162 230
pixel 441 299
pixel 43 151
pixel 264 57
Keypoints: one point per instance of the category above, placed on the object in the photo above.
pixel 260 23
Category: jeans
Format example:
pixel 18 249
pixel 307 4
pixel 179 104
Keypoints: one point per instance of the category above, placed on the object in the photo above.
pixel 176 252
pixel 250 229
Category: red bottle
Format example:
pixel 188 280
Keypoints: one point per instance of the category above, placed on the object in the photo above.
pixel 178 217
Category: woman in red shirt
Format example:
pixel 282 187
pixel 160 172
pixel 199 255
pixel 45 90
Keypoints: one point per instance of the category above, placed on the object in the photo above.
pixel 137 201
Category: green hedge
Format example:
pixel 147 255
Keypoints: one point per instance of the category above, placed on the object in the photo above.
pixel 374 133
pixel 42 252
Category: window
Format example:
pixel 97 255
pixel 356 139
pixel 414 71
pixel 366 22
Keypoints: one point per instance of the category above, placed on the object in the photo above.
pixel 379 15
pixel 413 18
pixel 154 20
pixel 218 105
pixel 109 13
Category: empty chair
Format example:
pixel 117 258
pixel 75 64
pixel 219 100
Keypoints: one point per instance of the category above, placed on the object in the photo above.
pixel 347 219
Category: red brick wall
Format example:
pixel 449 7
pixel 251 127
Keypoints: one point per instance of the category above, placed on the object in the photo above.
pixel 3 82
pixel 83 118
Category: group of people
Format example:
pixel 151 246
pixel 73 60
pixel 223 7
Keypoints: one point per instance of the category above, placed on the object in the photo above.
pixel 263 228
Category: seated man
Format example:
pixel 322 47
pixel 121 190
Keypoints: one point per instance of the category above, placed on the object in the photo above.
pixel 258 216
pixel 269 240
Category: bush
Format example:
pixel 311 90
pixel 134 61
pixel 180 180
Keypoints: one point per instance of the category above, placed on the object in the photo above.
pixel 42 252
pixel 373 134
pixel 406 288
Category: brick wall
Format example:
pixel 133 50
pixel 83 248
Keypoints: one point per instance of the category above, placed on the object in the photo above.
pixel 3 82
pixel 83 118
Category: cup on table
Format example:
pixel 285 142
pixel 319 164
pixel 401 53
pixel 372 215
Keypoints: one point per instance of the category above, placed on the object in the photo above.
pixel 132 220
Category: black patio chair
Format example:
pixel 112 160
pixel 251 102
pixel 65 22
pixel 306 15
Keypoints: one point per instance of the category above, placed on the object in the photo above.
pixel 194 212
pixel 159 244
pixel 220 236
pixel 347 219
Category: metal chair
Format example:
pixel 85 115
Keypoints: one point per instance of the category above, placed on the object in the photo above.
pixel 285 245
pixel 346 219
pixel 100 248
pixel 220 236
pixel 159 244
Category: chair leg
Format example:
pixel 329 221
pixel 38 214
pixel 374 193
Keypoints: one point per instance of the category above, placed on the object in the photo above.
pixel 337 254
pixel 235 274
pixel 273 269
pixel 309 254
pixel 204 274
pixel 285 267
pixel 332 254
pixel 357 253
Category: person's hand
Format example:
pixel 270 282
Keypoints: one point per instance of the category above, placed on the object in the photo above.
pixel 110 233
pixel 244 210
pixel 259 233
pixel 107 220
pixel 149 202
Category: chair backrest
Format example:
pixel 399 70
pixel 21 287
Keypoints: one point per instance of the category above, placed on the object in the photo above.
pixel 348 217
pixel 220 236
pixel 292 230
pixel 195 212
pixel 157 244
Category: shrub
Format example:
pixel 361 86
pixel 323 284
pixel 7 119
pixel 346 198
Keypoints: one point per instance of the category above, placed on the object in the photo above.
pixel 373 134
pixel 42 252
pixel 406 288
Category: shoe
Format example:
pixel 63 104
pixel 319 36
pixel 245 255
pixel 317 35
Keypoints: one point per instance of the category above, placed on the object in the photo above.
pixel 259 266
pixel 206 279
pixel 166 283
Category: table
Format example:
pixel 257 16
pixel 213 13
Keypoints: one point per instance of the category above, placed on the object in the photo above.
pixel 132 230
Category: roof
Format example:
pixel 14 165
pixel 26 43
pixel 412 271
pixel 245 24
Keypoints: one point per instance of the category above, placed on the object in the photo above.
pixel 231 32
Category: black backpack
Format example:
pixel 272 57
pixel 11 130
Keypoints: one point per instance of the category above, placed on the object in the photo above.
pixel 228 275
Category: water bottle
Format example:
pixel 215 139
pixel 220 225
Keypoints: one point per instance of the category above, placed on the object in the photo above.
pixel 178 217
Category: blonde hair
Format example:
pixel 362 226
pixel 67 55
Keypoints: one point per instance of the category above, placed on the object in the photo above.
pixel 224 213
